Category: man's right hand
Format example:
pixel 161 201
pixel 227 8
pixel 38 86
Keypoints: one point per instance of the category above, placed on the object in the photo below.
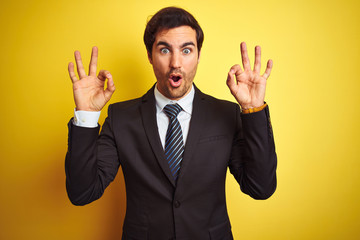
pixel 89 93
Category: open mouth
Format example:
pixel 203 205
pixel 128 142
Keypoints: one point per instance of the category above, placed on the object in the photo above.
pixel 175 78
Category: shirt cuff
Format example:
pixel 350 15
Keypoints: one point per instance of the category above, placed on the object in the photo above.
pixel 252 110
pixel 87 119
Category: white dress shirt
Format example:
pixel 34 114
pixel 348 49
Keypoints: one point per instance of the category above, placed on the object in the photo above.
pixel 184 116
pixel 90 119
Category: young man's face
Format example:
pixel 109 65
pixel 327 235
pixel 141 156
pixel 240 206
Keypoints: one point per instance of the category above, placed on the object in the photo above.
pixel 175 58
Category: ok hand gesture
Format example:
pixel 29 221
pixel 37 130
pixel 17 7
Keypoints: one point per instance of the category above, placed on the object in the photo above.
pixel 89 93
pixel 248 86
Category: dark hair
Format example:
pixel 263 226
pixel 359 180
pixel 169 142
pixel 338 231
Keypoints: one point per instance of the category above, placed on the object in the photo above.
pixel 167 18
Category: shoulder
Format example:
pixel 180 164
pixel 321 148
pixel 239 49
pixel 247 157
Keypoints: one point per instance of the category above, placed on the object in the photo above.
pixel 215 103
pixel 124 112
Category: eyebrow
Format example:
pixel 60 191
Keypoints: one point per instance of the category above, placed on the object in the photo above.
pixel 163 43
pixel 169 46
pixel 187 44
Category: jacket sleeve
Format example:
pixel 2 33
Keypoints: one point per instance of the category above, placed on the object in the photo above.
pixel 91 161
pixel 253 158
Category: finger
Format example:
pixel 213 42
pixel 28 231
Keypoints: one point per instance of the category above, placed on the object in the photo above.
pixel 71 72
pixel 245 57
pixel 80 67
pixel 257 63
pixel 268 69
pixel 93 61
pixel 110 88
pixel 230 81
pixel 104 74
pixel 234 70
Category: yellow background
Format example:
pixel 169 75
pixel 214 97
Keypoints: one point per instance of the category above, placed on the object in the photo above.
pixel 313 93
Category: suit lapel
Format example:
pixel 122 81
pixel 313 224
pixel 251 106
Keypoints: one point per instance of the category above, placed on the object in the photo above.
pixel 148 113
pixel 198 117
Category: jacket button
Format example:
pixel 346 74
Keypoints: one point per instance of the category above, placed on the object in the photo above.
pixel 176 204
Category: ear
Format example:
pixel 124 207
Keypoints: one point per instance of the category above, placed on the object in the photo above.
pixel 199 54
pixel 149 57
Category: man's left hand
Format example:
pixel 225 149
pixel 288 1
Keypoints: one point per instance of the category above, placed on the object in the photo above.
pixel 248 86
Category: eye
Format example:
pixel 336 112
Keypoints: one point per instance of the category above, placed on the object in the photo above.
pixel 186 51
pixel 164 50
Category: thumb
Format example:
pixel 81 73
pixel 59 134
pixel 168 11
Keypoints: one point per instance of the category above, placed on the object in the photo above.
pixel 103 75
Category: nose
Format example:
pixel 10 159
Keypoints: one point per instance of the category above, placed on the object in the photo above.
pixel 175 61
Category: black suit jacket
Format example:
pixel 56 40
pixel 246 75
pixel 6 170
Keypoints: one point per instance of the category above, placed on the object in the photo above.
pixel 157 208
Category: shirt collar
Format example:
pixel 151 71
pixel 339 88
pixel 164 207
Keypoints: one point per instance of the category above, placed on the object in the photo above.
pixel 185 102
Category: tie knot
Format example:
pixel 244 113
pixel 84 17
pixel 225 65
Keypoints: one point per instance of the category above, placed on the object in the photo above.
pixel 172 110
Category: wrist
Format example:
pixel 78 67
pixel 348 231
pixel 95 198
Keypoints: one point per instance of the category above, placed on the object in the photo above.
pixel 246 107
pixel 86 108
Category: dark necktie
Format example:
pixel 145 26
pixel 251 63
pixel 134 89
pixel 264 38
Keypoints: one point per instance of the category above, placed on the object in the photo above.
pixel 174 143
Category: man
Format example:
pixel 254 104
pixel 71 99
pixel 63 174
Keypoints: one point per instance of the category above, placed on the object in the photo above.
pixel 175 143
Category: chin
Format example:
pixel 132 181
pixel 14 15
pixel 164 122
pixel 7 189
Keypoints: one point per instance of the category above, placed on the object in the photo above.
pixel 176 94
